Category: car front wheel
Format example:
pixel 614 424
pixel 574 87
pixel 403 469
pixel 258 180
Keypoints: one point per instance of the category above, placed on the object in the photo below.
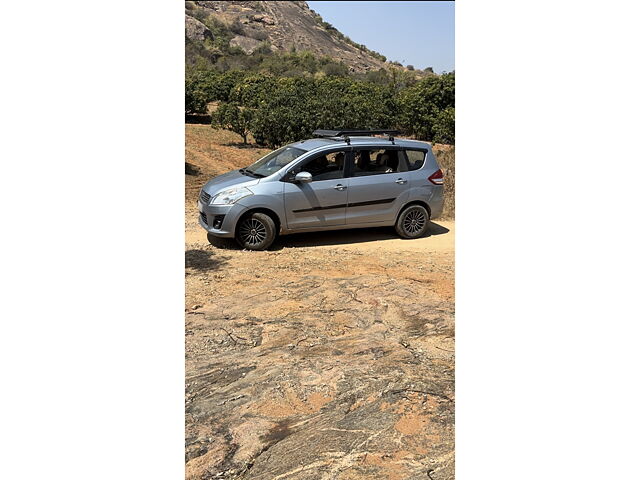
pixel 413 222
pixel 256 231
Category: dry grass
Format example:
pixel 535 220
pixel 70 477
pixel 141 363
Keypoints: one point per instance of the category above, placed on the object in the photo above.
pixel 446 156
pixel 215 151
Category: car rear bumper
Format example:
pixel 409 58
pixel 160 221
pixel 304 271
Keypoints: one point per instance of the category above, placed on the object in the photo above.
pixel 436 203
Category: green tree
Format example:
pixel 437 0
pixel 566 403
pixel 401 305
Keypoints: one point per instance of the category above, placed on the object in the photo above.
pixel 445 126
pixel 232 117
pixel 225 83
pixel 208 85
pixel 420 105
pixel 253 90
pixel 195 100
pixel 278 110
pixel 287 109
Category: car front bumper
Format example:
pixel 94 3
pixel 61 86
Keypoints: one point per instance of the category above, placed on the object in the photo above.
pixel 220 220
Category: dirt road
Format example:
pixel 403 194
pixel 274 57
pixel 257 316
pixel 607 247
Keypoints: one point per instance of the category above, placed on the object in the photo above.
pixel 328 357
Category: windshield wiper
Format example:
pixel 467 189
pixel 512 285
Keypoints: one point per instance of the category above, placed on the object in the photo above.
pixel 246 171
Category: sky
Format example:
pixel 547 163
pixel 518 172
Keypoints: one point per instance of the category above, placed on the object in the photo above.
pixel 413 33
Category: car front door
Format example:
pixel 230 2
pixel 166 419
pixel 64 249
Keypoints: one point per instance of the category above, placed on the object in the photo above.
pixel 321 202
pixel 378 185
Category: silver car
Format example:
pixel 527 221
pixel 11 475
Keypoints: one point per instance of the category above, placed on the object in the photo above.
pixel 342 179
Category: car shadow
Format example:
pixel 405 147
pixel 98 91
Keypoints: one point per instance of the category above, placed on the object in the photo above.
pixel 344 237
pixel 202 260
pixel 331 237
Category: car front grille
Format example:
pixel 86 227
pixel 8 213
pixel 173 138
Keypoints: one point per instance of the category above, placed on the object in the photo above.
pixel 203 216
pixel 205 197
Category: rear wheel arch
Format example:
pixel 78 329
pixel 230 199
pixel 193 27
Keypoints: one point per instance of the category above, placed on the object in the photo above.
pixel 414 202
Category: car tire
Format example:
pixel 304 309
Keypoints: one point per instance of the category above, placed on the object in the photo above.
pixel 413 222
pixel 256 231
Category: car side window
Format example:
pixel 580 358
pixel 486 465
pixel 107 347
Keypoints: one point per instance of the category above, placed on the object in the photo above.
pixel 326 166
pixel 415 159
pixel 376 161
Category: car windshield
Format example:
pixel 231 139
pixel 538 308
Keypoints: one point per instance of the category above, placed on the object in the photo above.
pixel 273 162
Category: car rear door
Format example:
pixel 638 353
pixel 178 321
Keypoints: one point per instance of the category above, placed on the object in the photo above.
pixel 378 184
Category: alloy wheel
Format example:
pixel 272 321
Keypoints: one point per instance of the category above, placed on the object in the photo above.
pixel 414 221
pixel 253 232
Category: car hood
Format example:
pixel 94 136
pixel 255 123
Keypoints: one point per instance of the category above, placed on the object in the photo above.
pixel 228 180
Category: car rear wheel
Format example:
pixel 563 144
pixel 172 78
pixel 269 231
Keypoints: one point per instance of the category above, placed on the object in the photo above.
pixel 256 231
pixel 413 222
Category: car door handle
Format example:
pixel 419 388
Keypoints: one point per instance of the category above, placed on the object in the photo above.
pixel 340 187
pixel 401 181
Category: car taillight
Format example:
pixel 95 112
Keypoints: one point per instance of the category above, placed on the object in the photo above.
pixel 437 178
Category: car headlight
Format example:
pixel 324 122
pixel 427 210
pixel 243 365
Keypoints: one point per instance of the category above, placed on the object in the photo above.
pixel 230 196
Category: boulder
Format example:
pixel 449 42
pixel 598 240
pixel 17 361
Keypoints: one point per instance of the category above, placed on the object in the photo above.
pixel 262 18
pixel 247 44
pixel 196 30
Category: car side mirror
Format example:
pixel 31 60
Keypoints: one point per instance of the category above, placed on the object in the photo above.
pixel 303 177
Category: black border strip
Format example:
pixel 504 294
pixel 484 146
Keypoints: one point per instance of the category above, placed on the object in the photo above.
pixel 347 205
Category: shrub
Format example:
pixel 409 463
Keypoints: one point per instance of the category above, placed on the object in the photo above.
pixel 204 85
pixel 253 90
pixel 195 99
pixel 444 128
pixel 198 13
pixel 335 69
pixel 379 77
pixel 421 104
pixel 221 33
pixel 232 117
pixel 262 50
pixel 447 160
pixel 287 109
pixel 292 103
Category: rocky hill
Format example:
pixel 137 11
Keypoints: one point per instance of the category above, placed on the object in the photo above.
pixel 246 26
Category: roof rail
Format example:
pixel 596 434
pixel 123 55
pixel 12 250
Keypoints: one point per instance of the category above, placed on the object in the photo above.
pixel 354 133
pixel 346 133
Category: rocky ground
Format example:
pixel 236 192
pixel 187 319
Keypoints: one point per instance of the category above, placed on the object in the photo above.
pixel 331 356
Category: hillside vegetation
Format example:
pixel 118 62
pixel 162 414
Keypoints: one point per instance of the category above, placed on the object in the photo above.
pixel 279 96
pixel 226 33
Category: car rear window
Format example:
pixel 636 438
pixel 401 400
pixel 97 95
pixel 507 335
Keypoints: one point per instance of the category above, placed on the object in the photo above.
pixel 375 162
pixel 415 159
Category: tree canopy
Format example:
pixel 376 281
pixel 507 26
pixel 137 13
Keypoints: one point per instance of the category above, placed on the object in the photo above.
pixel 280 109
